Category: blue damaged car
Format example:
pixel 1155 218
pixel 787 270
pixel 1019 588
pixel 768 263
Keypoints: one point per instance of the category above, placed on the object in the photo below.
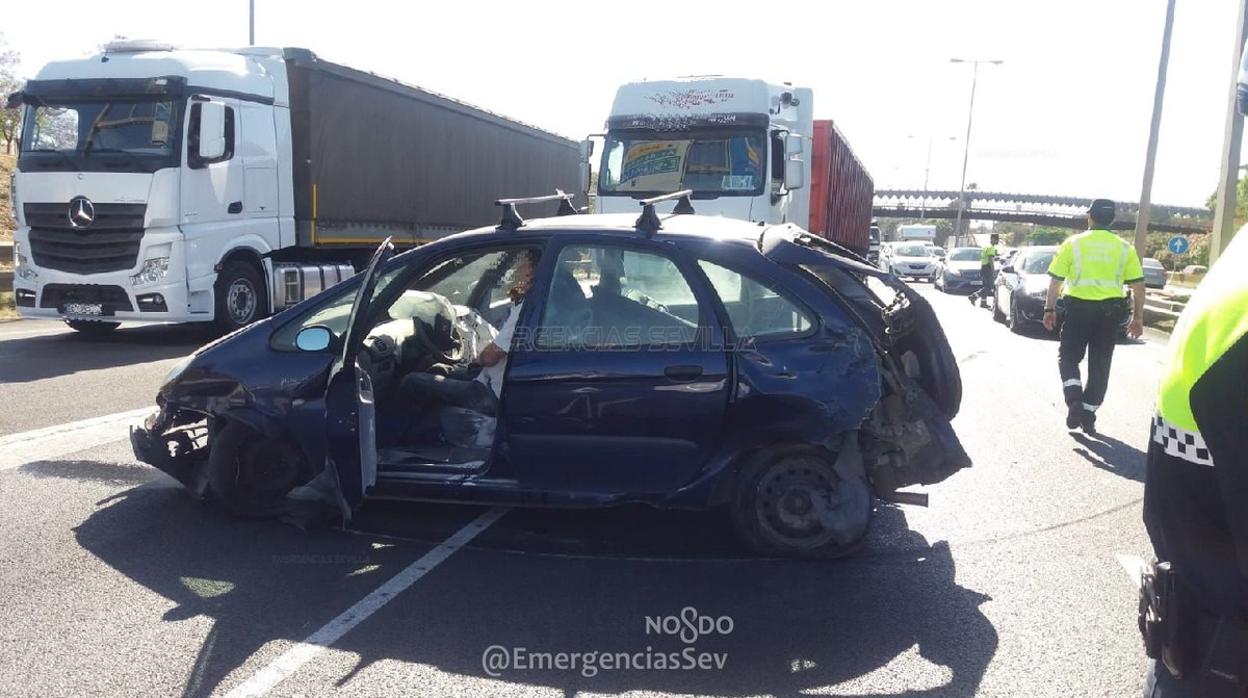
pixel 679 361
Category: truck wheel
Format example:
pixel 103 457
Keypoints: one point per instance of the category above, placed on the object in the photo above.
pixel 790 501
pixel 240 296
pixel 251 474
pixel 92 328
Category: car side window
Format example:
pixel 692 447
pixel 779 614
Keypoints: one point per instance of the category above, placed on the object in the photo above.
pixel 604 296
pixel 756 310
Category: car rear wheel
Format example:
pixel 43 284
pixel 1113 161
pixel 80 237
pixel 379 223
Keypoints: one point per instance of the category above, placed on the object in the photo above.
pixel 790 501
pixel 251 474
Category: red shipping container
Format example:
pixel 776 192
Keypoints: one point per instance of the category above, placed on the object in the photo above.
pixel 840 190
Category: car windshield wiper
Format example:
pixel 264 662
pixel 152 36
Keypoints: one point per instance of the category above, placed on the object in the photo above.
pixel 61 154
pixel 130 157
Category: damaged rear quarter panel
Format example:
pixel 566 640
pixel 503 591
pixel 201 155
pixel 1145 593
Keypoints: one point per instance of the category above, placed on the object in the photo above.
pixel 812 388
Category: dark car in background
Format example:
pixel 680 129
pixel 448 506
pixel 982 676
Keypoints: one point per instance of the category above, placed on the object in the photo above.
pixel 1021 288
pixel 1154 273
pixel 758 374
pixel 959 271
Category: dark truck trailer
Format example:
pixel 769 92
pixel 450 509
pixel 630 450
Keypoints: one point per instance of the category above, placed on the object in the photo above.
pixel 840 190
pixel 373 158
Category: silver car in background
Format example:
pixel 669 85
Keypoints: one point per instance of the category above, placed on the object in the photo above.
pixel 1154 273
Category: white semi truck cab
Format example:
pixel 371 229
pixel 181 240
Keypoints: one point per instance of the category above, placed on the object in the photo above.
pixel 166 185
pixel 150 186
pixel 739 144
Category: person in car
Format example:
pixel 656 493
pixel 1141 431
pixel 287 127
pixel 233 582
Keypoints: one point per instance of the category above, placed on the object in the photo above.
pixel 482 393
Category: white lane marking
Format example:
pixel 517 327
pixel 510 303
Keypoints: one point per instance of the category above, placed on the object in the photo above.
pixel 1134 565
pixel 292 659
pixel 17 450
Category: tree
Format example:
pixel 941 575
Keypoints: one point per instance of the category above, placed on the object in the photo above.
pixel 1043 235
pixel 10 119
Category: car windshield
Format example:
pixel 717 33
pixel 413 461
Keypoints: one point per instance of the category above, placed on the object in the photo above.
pixel 129 135
pixel 717 162
pixel 1152 263
pixel 141 127
pixel 1037 263
pixel 964 254
pixel 913 251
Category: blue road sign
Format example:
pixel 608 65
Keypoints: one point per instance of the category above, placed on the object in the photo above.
pixel 1178 244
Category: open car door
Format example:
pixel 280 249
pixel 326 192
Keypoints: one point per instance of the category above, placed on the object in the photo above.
pixel 350 418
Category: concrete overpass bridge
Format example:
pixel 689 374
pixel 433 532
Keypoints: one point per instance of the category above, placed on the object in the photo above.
pixel 1040 209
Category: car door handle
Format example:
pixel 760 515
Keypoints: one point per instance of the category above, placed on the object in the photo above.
pixel 236 207
pixel 683 373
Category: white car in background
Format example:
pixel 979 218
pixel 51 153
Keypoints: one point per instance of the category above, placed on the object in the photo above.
pixel 913 260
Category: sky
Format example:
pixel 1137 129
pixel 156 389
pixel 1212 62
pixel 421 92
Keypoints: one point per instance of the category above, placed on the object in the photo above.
pixel 1067 113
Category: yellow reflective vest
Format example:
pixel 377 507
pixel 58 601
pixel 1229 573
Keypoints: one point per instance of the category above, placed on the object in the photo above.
pixel 1215 319
pixel 1095 264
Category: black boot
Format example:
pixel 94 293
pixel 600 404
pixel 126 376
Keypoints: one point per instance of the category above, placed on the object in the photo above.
pixel 1074 415
pixel 1087 421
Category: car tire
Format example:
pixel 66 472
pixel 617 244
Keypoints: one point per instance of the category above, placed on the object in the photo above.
pixel 996 307
pixel 1015 323
pixel 939 282
pixel 92 329
pixel 240 296
pixel 250 474
pixel 777 510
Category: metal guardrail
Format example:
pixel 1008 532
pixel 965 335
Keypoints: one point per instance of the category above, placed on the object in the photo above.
pixel 1163 303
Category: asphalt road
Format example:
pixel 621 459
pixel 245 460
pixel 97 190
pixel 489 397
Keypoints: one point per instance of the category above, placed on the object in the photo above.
pixel 114 582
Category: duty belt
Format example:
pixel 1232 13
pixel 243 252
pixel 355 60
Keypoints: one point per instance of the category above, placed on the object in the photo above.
pixel 1179 442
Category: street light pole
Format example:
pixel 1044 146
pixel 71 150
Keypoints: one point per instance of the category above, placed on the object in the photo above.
pixel 251 22
pixel 927 172
pixel 1150 156
pixel 966 153
pixel 1232 139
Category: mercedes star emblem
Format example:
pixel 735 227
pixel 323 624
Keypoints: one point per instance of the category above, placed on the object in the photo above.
pixel 81 212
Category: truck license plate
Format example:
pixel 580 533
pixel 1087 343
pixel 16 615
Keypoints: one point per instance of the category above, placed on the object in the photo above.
pixel 83 309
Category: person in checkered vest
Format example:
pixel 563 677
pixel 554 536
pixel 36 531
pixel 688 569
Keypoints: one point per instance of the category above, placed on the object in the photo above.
pixel 1196 493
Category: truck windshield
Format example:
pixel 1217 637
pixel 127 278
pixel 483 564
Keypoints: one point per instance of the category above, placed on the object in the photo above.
pixel 131 134
pixel 711 163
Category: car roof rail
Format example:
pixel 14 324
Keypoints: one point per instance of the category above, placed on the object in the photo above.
pixel 648 222
pixel 512 221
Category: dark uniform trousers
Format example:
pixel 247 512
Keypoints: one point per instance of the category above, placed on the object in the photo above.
pixel 1089 327
pixel 987 276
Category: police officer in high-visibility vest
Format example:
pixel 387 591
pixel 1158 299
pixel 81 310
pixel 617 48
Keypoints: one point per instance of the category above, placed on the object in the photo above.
pixel 1092 268
pixel 1194 603
pixel 987 271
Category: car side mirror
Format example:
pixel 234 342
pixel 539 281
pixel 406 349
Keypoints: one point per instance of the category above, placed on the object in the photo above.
pixel 314 338
pixel 211 130
pixel 1007 269
pixel 794 174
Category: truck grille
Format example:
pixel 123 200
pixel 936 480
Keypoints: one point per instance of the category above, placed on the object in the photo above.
pixel 110 243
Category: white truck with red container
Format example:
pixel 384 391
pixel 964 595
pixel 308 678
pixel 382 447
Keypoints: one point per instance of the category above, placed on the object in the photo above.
pixel 746 148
